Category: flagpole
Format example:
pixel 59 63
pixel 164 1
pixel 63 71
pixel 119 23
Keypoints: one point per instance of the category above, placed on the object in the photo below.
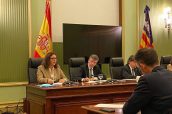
pixel 123 31
pixel 138 22
pixel 29 28
pixel 147 2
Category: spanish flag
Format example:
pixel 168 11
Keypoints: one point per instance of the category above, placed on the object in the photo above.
pixel 44 39
pixel 147 39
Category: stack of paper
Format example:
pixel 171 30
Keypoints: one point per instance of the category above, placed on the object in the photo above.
pixel 115 105
pixel 91 81
pixel 57 83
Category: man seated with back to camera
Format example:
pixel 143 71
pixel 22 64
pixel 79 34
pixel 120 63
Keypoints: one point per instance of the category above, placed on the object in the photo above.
pixel 153 94
pixel 130 70
pixel 91 70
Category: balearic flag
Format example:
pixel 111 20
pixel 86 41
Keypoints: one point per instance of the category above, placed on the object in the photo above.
pixel 44 39
pixel 147 39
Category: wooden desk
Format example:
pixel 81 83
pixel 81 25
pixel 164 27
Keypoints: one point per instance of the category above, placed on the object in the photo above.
pixel 91 109
pixel 69 99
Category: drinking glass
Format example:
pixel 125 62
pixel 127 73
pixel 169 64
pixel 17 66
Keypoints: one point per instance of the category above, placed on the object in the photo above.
pixel 100 76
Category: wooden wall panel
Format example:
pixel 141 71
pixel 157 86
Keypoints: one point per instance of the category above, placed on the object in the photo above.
pixel 13 40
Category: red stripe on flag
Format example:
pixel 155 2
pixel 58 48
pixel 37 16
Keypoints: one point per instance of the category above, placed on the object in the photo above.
pixel 145 39
pixel 141 46
pixel 36 55
pixel 48 16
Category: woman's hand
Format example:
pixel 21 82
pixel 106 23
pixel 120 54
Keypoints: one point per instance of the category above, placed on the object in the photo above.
pixel 62 80
pixel 50 81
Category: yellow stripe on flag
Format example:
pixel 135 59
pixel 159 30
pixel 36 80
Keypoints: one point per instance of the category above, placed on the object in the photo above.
pixel 44 40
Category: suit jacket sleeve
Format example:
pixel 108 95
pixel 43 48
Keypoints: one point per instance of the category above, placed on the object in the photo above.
pixel 83 71
pixel 126 73
pixel 138 71
pixel 140 97
pixel 40 75
pixel 97 70
pixel 62 75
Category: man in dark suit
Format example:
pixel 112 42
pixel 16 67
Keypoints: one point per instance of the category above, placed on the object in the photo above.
pixel 153 94
pixel 130 70
pixel 91 70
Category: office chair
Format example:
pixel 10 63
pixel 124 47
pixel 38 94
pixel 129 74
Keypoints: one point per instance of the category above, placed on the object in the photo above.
pixel 115 67
pixel 74 68
pixel 33 64
pixel 165 60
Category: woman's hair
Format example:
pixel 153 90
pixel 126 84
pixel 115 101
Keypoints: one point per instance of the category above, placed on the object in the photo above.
pixel 46 61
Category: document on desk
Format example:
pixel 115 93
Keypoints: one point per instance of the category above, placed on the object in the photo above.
pixel 92 82
pixel 129 79
pixel 57 83
pixel 114 105
pixel 96 81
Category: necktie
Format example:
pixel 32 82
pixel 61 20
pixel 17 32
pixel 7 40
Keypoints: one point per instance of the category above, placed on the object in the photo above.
pixel 90 72
pixel 133 72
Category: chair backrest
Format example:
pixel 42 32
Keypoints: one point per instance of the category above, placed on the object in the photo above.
pixel 165 60
pixel 115 67
pixel 74 68
pixel 33 64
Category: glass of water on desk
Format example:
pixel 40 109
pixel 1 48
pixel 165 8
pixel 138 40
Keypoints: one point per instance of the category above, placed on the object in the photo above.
pixel 100 77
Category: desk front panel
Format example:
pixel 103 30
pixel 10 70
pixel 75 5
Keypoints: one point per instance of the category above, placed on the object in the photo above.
pixel 69 99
